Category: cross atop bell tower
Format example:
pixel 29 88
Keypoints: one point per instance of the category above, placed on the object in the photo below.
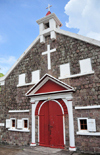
pixel 48 13
pixel 49 7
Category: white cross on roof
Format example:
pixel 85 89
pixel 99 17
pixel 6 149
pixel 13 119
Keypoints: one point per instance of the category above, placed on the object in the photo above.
pixel 49 7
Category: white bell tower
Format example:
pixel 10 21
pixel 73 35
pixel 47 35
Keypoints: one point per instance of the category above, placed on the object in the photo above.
pixel 47 25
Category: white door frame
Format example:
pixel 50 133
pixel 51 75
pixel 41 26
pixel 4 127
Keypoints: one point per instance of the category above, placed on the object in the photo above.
pixel 67 98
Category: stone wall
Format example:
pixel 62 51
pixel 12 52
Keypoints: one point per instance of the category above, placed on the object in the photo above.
pixel 87 88
pixel 3 111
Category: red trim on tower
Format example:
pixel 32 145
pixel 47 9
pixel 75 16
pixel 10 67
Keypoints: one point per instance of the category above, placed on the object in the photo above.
pixel 48 13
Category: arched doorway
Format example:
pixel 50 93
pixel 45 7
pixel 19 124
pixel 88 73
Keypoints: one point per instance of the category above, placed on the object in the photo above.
pixel 51 125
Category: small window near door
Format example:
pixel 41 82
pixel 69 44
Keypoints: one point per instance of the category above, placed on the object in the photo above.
pixel 13 123
pixel 25 123
pixel 83 124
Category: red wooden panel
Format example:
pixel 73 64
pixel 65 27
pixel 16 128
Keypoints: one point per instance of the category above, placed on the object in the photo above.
pixel 56 123
pixel 50 86
pixel 43 124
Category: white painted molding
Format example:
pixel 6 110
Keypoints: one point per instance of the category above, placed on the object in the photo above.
pixel 12 111
pixel 43 80
pixel 33 144
pixel 26 84
pixel 72 149
pixel 79 37
pixel 79 127
pixel 67 95
pixel 77 75
pixel 47 18
pixel 88 107
pixel 2 83
pixel 88 133
pixel 2 124
pixel 19 130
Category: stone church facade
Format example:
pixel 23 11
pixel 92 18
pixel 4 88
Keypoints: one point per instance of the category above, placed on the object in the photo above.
pixel 50 97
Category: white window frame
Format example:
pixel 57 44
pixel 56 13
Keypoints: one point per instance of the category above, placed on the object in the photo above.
pixel 11 123
pixel 79 129
pixel 27 123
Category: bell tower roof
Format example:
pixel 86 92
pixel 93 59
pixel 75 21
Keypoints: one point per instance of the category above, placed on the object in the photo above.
pixel 48 17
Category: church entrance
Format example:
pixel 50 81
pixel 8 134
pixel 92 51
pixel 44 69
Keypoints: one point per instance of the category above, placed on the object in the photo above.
pixel 51 125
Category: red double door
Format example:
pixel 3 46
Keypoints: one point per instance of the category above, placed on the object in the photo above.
pixel 51 125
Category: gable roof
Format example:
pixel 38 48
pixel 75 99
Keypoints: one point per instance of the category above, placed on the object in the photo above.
pixel 34 91
pixel 63 32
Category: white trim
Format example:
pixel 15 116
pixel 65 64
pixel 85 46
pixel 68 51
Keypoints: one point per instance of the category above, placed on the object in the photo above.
pixel 43 80
pixel 27 123
pixel 33 123
pixel 81 118
pixel 64 130
pixel 2 82
pixel 2 124
pixel 19 130
pixel 88 107
pixel 11 123
pixel 38 131
pixel 67 95
pixel 89 128
pixel 71 124
pixel 77 75
pixel 79 37
pixel 51 100
pixel 88 133
pixel 14 111
pixel 72 149
pixel 25 84
pixel 32 144
pixel 47 18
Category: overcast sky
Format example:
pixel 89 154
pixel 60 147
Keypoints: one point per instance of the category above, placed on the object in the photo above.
pixel 18 27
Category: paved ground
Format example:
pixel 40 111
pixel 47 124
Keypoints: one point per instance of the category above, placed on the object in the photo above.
pixel 27 150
